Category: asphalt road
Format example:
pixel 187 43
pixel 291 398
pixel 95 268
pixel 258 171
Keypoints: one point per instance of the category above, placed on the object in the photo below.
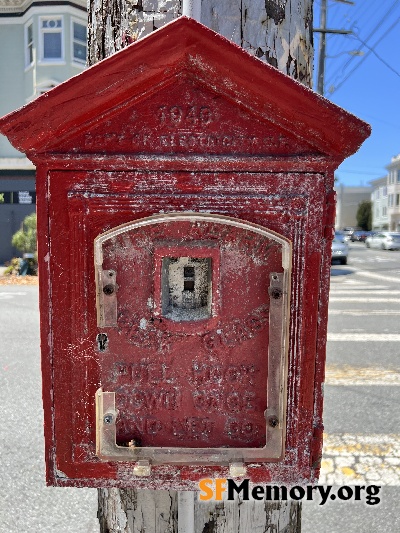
pixel 26 504
pixel 362 398
pixel 362 394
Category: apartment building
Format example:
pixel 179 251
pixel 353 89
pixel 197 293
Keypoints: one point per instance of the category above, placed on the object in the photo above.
pixel 347 201
pixel 385 198
pixel 42 44
pixel 393 193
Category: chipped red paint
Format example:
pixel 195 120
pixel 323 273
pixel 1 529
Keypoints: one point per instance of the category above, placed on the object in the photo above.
pixel 182 121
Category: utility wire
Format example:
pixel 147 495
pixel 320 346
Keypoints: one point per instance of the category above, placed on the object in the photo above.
pixel 388 65
pixel 375 29
pixel 370 50
pixel 378 25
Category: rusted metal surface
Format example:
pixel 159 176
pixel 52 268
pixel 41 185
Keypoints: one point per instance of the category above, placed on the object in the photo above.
pixel 175 317
pixel 202 326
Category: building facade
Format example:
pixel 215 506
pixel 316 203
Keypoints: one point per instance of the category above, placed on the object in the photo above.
pixel 347 201
pixel 386 198
pixel 43 43
pixel 379 199
pixel 393 191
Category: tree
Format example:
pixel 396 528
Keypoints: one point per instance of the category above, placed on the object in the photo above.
pixel 280 33
pixel 364 215
pixel 25 238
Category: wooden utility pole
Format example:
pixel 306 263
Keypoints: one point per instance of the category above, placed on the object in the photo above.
pixel 323 30
pixel 322 49
pixel 277 31
pixel 280 33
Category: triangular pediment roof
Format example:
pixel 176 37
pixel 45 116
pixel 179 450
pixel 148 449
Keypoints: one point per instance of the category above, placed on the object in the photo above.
pixel 186 89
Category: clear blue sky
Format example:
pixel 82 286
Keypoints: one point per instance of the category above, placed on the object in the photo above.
pixel 366 85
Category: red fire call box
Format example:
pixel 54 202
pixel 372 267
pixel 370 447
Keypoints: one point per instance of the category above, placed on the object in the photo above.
pixel 185 216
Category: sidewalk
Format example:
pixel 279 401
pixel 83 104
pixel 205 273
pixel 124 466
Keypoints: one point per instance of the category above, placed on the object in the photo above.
pixel 17 280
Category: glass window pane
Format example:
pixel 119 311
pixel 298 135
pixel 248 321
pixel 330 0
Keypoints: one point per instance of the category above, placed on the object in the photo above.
pixel 52 46
pixel 79 32
pixel 79 52
pixel 52 24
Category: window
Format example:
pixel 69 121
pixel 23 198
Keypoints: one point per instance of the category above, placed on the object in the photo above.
pixel 384 191
pixel 28 44
pixel 384 211
pixel 397 200
pixel 18 197
pixel 51 39
pixel 79 42
pixel 398 176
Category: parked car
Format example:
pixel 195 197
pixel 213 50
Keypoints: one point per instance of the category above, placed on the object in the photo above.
pixel 340 251
pixel 340 236
pixel 349 230
pixel 359 236
pixel 384 240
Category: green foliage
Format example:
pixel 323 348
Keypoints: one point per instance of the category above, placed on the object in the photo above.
pixel 25 238
pixel 364 215
pixel 12 267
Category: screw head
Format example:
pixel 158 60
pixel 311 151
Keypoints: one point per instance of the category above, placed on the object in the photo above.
pixel 108 419
pixel 108 289
pixel 273 421
pixel 276 293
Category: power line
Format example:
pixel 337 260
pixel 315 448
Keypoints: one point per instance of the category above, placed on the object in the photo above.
pixel 369 36
pixel 370 50
pixel 375 53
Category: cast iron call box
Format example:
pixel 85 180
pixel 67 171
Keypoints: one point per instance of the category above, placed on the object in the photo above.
pixel 185 217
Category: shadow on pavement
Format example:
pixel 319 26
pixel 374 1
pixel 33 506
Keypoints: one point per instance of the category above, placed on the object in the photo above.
pixel 341 271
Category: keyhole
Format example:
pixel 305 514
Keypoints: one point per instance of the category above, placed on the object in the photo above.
pixel 188 279
pixel 102 341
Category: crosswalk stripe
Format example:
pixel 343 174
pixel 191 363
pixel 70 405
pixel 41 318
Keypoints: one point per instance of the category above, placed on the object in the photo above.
pixel 369 292
pixel 9 295
pixel 355 284
pixel 354 459
pixel 349 375
pixel 363 337
pixel 362 312
pixel 366 300
pixel 376 276
pixel 362 459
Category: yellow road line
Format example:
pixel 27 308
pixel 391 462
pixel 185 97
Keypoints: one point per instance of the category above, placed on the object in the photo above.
pixel 353 459
pixel 349 375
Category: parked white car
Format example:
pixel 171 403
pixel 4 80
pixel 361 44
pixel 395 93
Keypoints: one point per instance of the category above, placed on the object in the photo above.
pixel 384 240
pixel 340 251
